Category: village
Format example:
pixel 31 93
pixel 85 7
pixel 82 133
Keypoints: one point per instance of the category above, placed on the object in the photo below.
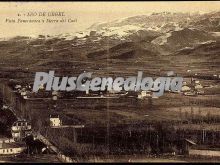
pixel 22 128
pixel 129 84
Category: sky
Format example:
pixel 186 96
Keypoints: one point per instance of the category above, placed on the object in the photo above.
pixel 86 14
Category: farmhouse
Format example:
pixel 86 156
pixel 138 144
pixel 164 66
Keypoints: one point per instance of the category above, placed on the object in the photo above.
pixel 55 121
pixel 8 147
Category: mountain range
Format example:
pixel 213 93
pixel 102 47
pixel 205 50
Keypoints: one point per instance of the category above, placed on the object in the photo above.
pixel 152 37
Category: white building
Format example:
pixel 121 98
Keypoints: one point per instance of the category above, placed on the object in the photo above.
pixel 185 88
pixel 55 121
pixel 8 147
pixel 41 86
pixel 21 129
pixel 198 86
pixel 144 94
pixel 17 86
pixel 54 95
pixel 197 81
pixel 184 83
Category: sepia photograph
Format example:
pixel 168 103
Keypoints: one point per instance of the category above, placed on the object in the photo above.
pixel 110 82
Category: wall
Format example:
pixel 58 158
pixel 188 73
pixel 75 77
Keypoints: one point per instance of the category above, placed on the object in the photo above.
pixel 204 153
pixel 8 151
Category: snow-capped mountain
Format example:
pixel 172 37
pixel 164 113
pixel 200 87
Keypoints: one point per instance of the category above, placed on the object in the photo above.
pixel 162 29
pixel 134 37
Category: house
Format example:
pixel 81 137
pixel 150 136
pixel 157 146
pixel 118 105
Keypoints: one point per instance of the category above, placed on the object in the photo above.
pixel 8 147
pixel 54 95
pixel 55 121
pixel 187 144
pixel 41 87
pixel 23 93
pixel 21 129
pixel 198 86
pixel 17 86
pixel 144 94
pixel 185 88
pixel 184 83
pixel 199 91
pixel 197 81
pixel 190 93
pixel 5 107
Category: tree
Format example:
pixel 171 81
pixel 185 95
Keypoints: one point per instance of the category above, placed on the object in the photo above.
pixel 150 103
pixel 208 117
pixel 200 115
pixel 192 113
pixel 186 115
pixel 180 113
